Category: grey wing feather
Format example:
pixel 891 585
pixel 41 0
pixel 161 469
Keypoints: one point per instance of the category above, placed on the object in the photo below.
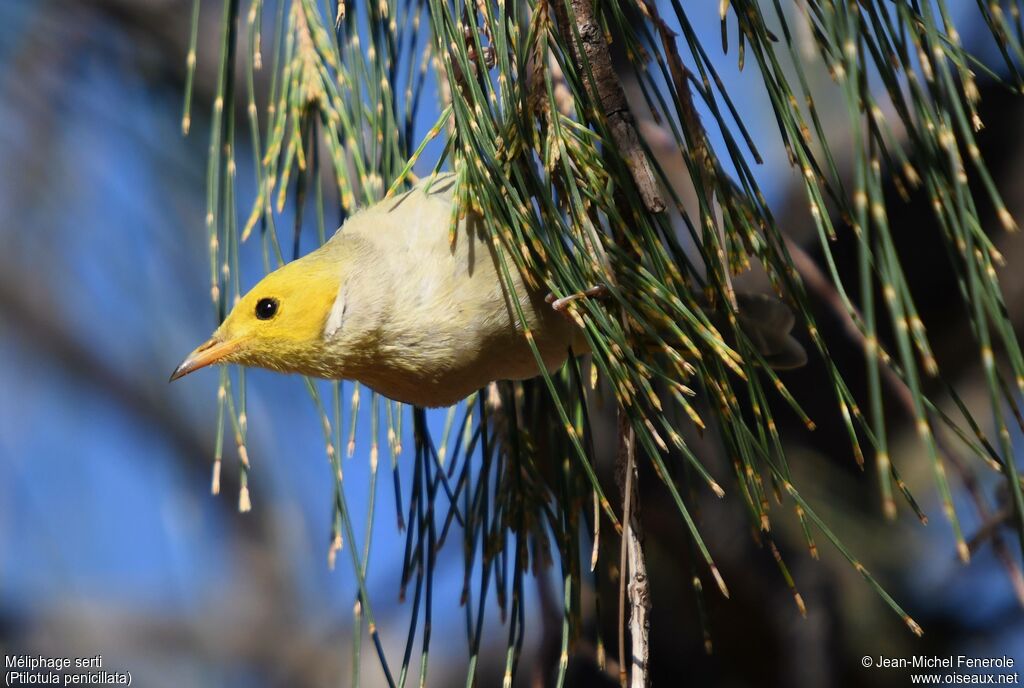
pixel 768 322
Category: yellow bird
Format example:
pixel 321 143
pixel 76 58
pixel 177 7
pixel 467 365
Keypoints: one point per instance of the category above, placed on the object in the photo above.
pixel 388 301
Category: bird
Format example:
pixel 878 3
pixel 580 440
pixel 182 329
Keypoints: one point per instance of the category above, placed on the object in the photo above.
pixel 393 302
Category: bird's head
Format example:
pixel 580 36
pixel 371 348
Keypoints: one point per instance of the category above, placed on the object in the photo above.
pixel 279 324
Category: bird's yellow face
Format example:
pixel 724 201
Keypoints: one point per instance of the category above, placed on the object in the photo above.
pixel 279 324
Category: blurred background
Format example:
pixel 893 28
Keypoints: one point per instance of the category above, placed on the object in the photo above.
pixel 110 542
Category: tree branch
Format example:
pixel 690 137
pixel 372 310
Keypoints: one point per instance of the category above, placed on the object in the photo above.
pixel 632 567
pixel 607 89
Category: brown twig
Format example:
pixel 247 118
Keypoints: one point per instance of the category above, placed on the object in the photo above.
pixel 689 116
pixel 632 567
pixel 607 90
pixel 604 86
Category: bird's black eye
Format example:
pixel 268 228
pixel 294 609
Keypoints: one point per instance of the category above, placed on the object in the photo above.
pixel 266 309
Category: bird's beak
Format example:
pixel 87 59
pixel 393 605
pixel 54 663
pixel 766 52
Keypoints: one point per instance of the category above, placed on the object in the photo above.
pixel 208 353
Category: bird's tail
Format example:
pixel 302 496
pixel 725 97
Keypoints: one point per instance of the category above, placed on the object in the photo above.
pixel 765 320
pixel 768 324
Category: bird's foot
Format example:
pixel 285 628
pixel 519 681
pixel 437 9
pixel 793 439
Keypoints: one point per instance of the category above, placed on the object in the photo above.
pixel 599 291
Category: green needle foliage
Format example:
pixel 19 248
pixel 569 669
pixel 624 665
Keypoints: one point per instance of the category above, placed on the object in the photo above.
pixel 532 120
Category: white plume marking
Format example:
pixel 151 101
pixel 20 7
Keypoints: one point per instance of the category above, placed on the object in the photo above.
pixel 337 317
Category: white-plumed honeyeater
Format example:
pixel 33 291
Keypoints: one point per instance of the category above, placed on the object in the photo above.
pixel 392 302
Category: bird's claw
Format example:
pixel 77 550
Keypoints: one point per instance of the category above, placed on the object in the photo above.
pixel 599 291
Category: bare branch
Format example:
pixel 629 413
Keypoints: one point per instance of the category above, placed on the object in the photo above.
pixel 632 567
